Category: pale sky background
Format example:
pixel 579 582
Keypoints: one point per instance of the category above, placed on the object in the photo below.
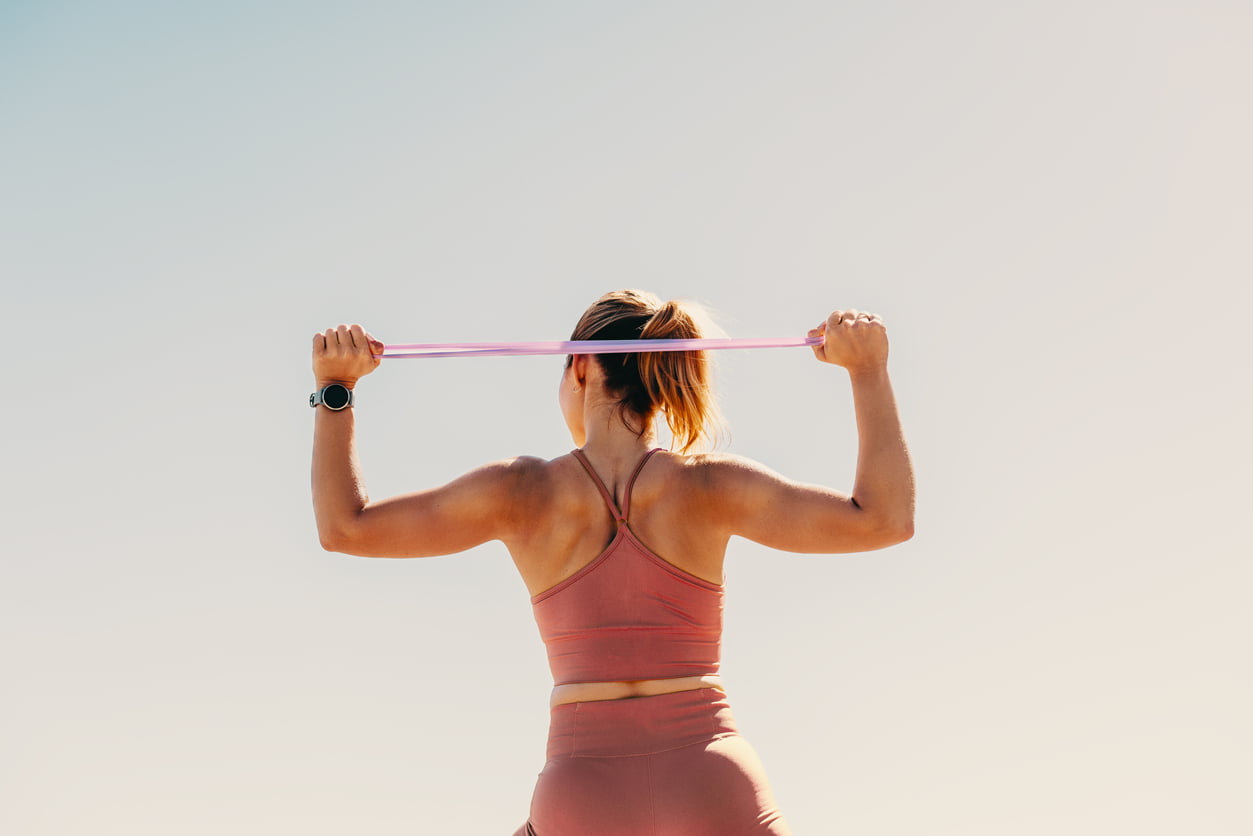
pixel 1049 203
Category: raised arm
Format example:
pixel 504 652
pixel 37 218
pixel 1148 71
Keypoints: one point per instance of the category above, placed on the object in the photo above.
pixel 460 515
pixel 761 505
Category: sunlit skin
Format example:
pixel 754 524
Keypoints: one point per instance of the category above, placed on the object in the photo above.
pixel 553 521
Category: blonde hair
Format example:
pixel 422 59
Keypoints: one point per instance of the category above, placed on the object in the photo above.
pixel 675 383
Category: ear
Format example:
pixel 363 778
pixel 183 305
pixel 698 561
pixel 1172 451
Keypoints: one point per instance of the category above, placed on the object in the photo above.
pixel 579 367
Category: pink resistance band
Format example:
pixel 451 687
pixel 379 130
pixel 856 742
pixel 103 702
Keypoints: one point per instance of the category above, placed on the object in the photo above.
pixel 408 350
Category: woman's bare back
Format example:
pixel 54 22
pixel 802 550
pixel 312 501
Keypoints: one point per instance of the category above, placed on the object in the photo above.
pixel 572 525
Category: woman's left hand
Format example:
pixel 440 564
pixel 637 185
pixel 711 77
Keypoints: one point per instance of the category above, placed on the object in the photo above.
pixel 345 355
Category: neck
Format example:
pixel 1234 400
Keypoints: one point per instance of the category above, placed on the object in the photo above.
pixel 608 439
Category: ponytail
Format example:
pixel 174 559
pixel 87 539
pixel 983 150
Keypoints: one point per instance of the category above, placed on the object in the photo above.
pixel 678 382
pixel 675 383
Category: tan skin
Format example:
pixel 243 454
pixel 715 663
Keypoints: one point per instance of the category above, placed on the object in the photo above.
pixel 553 520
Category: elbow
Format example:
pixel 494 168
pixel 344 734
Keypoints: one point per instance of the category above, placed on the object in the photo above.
pixel 335 540
pixel 338 532
pixel 896 525
pixel 892 532
pixel 903 532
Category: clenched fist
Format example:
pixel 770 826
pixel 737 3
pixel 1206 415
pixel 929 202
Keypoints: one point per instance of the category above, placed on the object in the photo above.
pixel 344 355
pixel 852 339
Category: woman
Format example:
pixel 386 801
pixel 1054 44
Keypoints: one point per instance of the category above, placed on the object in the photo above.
pixel 621 546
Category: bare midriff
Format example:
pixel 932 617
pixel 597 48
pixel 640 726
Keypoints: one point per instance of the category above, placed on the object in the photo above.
pixel 595 691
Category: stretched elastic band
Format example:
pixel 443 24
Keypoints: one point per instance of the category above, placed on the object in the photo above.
pixel 409 350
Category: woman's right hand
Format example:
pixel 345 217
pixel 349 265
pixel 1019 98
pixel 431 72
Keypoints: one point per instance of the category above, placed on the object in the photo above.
pixel 852 339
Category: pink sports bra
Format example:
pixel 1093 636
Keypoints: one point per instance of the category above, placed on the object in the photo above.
pixel 629 615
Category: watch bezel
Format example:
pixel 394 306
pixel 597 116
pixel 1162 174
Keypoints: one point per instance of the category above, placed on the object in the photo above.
pixel 319 397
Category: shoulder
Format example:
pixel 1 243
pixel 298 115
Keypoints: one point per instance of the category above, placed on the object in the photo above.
pixel 517 473
pixel 503 482
pixel 717 489
pixel 511 490
pixel 725 469
pixel 516 470
pixel 717 476
pixel 531 479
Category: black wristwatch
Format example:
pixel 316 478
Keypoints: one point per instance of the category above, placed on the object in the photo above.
pixel 335 396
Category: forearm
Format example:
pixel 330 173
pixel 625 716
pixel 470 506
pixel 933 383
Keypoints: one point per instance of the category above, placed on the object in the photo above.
pixel 339 492
pixel 884 487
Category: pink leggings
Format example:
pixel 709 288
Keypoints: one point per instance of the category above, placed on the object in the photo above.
pixel 671 765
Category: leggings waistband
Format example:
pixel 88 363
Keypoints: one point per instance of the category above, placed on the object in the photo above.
pixel 639 725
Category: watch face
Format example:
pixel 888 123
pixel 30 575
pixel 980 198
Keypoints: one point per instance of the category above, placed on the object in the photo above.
pixel 335 396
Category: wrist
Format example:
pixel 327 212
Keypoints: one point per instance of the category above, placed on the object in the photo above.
pixel 333 395
pixel 323 382
pixel 868 372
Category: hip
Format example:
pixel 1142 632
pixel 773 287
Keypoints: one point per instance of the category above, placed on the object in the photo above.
pixel 673 764
pixel 639 726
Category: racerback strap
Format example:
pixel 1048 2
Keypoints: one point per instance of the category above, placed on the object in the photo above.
pixel 619 515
